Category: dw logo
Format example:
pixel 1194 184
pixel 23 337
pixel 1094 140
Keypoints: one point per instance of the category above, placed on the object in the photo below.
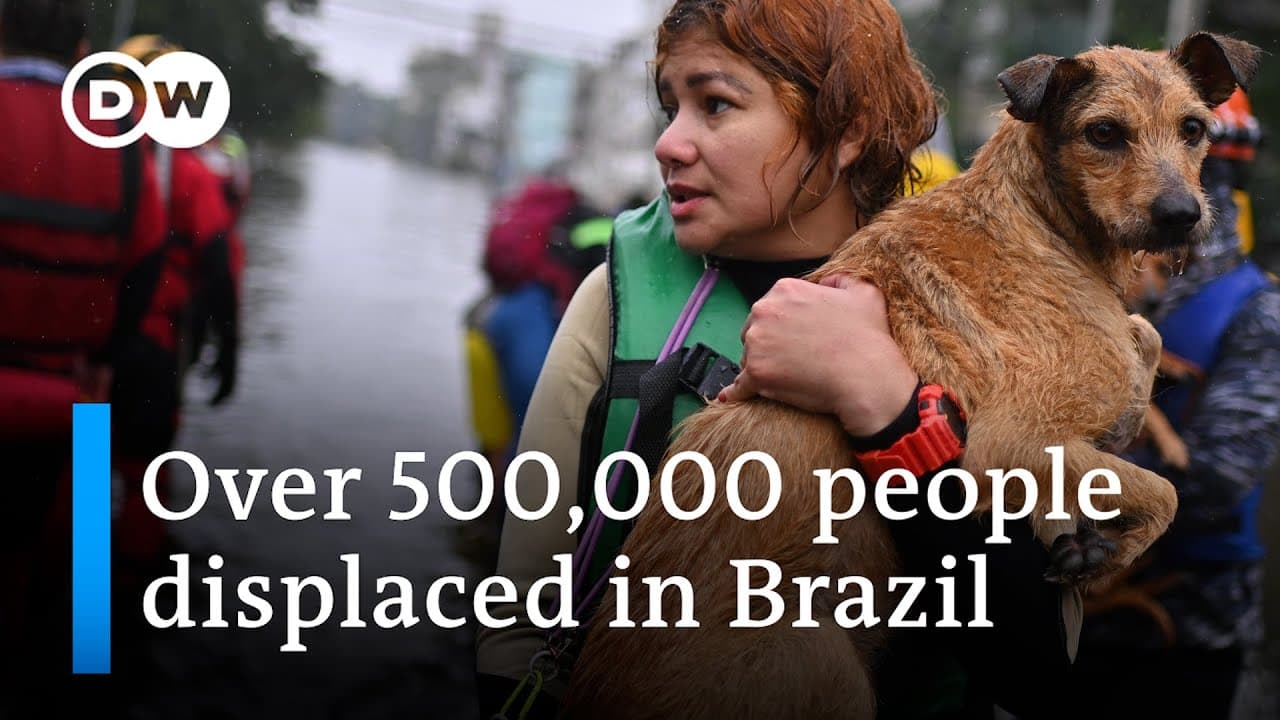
pixel 187 99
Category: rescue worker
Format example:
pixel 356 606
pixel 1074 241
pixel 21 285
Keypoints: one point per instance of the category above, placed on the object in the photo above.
pixel 81 240
pixel 227 156
pixel 1236 135
pixel 1171 639
pixel 203 269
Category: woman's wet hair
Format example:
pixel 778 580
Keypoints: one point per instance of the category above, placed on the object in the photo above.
pixel 834 65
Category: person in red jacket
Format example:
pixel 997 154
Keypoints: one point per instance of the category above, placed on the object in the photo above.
pixel 81 251
pixel 200 277
pixel 227 157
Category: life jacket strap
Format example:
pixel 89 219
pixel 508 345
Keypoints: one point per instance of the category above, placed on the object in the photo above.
pixel 58 215
pixel 705 372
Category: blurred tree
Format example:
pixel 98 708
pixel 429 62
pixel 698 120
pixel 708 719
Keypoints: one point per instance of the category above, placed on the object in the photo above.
pixel 1258 21
pixel 276 85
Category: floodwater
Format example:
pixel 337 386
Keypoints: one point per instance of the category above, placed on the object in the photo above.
pixel 359 268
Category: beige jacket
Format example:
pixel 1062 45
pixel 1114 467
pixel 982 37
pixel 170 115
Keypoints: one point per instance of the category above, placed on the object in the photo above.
pixel 574 370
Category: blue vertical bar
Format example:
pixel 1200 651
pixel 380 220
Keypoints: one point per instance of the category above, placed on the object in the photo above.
pixel 91 539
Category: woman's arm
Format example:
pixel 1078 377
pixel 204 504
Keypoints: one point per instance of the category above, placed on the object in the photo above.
pixel 574 370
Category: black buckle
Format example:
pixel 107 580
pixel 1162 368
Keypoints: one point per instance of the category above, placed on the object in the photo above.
pixel 705 372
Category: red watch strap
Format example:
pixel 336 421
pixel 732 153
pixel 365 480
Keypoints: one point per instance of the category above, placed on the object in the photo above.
pixel 922 451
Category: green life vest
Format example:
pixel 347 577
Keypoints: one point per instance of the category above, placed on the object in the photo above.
pixel 650 280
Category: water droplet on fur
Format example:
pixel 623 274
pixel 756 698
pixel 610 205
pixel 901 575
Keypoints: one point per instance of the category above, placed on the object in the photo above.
pixel 1180 261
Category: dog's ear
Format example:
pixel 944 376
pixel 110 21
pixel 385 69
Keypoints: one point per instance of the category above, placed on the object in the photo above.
pixel 1217 64
pixel 1040 82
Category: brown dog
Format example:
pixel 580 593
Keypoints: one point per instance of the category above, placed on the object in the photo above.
pixel 1003 285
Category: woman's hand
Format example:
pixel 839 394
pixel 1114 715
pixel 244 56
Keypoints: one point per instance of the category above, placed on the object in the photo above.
pixel 825 348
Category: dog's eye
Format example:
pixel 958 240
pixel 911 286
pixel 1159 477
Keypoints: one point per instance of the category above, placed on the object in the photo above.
pixel 1105 135
pixel 1192 130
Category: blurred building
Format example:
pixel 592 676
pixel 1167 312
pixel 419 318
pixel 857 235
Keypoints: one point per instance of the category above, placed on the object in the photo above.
pixel 354 115
pixel 471 118
pixel 507 114
pixel 542 99
pixel 619 121
pixel 419 113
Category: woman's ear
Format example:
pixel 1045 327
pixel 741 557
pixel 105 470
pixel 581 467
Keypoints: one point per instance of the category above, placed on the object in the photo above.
pixel 852 142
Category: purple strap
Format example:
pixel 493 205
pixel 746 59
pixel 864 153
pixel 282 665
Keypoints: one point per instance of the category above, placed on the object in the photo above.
pixel 586 549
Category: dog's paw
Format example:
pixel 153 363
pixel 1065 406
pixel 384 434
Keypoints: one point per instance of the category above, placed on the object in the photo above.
pixel 1147 339
pixel 1078 558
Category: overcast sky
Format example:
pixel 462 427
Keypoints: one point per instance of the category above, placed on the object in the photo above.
pixel 372 40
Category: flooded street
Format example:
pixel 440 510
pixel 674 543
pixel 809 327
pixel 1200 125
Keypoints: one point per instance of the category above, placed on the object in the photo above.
pixel 358 270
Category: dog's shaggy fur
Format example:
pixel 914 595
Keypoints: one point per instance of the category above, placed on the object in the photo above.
pixel 1003 285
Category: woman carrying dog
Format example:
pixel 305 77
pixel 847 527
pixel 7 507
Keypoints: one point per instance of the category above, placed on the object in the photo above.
pixel 790 124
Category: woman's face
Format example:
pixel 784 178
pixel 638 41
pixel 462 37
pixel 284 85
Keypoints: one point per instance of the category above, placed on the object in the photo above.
pixel 728 156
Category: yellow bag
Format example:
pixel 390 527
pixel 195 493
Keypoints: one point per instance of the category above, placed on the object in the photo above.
pixel 490 417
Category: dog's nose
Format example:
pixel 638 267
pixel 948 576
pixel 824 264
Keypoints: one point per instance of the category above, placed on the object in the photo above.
pixel 1178 209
